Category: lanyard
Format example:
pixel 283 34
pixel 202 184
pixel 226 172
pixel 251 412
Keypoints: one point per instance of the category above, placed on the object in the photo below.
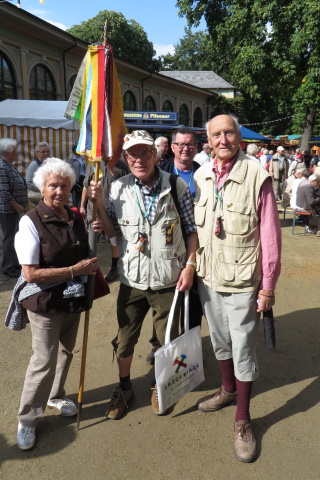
pixel 157 190
pixel 177 173
pixel 218 196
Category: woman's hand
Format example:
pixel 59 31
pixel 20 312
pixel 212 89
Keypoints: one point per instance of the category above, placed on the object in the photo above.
pixel 97 225
pixel 88 266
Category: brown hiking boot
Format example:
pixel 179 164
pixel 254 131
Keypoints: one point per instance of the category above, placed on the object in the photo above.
pixel 118 403
pixel 245 443
pixel 155 401
pixel 219 400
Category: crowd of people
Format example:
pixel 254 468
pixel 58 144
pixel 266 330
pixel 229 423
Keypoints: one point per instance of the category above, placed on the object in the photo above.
pixel 296 180
pixel 201 222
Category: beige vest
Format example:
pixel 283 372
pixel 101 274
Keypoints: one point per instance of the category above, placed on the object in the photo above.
pixel 230 262
pixel 160 264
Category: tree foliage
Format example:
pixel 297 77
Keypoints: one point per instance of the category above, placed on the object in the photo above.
pixel 127 37
pixel 273 48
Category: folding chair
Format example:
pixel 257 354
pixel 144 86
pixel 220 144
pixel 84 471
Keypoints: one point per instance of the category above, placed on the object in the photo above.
pixel 300 218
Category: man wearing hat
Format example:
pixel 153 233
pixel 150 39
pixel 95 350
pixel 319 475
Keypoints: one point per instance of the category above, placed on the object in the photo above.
pixel 279 171
pixel 154 258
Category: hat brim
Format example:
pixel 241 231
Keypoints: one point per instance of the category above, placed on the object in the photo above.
pixel 136 141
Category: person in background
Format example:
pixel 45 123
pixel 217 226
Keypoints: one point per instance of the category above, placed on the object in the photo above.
pixel 308 199
pixel 13 202
pixel 204 156
pixel 52 248
pixel 278 170
pixel 42 151
pixel 238 264
pixel 252 151
pixel 162 144
pixel 264 157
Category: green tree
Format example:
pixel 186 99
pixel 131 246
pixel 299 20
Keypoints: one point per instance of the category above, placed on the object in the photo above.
pixel 196 51
pixel 274 51
pixel 127 37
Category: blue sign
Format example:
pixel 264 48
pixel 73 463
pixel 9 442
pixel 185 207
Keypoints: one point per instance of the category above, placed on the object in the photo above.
pixel 152 116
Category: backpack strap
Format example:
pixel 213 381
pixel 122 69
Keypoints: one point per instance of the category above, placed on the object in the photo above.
pixel 173 183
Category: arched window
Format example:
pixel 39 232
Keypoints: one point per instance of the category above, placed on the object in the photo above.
pixel 7 79
pixel 41 84
pixel 70 85
pixel 184 115
pixel 129 102
pixel 197 117
pixel 167 106
pixel 149 104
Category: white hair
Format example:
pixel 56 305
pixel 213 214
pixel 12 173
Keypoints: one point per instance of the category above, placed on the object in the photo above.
pixel 236 122
pixel 40 145
pixel 7 145
pixel 252 149
pixel 314 178
pixel 159 140
pixel 53 165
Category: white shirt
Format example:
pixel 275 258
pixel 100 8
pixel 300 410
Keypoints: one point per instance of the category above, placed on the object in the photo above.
pixel 293 199
pixel 202 158
pixel 27 242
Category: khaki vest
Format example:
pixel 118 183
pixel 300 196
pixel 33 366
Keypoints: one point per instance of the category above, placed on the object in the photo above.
pixel 160 264
pixel 231 261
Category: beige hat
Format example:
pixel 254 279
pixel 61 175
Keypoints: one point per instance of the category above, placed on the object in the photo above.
pixel 137 137
pixel 280 149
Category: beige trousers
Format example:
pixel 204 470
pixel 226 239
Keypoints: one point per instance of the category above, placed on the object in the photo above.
pixel 53 339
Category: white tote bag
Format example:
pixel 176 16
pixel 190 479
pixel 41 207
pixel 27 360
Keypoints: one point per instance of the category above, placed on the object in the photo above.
pixel 178 364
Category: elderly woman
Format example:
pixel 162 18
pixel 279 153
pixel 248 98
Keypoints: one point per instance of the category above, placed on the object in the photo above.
pixel 252 151
pixel 13 200
pixel 52 248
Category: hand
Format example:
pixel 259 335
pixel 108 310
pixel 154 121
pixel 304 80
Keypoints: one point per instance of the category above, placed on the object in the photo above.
pixel 266 300
pixel 94 190
pixel 97 225
pixel 83 211
pixel 185 281
pixel 88 266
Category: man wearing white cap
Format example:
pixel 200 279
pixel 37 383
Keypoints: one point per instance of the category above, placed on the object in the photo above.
pixel 153 258
pixel 278 171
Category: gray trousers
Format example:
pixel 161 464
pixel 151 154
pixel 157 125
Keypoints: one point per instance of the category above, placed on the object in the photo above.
pixel 53 339
pixel 9 226
pixel 233 323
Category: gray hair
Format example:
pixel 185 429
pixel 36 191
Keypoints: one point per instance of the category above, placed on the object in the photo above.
pixel 40 145
pixel 314 178
pixel 271 152
pixel 265 151
pixel 183 131
pixel 252 149
pixel 235 120
pixel 53 165
pixel 159 140
pixel 7 145
pixel 205 146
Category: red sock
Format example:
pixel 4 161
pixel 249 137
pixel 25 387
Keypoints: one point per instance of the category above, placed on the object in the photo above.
pixel 243 400
pixel 227 374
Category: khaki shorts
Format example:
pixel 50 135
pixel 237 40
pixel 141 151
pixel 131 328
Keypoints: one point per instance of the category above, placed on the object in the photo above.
pixel 233 323
pixel 132 307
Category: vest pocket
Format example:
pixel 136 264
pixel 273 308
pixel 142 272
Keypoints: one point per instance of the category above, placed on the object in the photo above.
pixel 200 211
pixel 129 228
pixel 237 217
pixel 237 266
pixel 170 263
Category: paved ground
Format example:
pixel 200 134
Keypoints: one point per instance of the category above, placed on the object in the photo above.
pixel 185 444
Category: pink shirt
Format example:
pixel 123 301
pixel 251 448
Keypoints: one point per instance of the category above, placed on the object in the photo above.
pixel 270 231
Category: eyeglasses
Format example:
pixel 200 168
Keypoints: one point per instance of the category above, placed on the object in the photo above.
pixel 182 145
pixel 133 157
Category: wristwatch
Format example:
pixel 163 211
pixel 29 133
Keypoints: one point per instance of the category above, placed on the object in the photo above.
pixel 194 264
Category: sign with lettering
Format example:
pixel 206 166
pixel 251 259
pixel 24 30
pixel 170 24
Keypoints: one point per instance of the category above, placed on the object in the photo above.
pixel 152 116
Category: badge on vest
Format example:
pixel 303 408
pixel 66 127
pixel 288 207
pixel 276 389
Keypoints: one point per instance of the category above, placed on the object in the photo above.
pixel 169 234
pixel 141 241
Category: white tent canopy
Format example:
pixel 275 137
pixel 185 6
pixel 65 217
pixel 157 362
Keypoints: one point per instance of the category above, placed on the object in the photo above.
pixel 35 113
pixel 33 121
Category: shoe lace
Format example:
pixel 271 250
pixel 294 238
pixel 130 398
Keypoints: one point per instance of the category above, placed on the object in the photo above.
pixel 27 430
pixel 243 432
pixel 116 398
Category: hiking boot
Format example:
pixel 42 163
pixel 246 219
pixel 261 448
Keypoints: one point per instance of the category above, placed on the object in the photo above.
pixel 118 403
pixel 155 401
pixel 112 275
pixel 245 443
pixel 66 407
pixel 26 437
pixel 219 400
pixel 150 356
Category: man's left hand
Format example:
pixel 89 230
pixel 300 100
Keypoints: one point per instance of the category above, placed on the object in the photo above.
pixel 266 300
pixel 186 278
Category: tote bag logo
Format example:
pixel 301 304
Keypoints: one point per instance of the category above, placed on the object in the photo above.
pixel 179 361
